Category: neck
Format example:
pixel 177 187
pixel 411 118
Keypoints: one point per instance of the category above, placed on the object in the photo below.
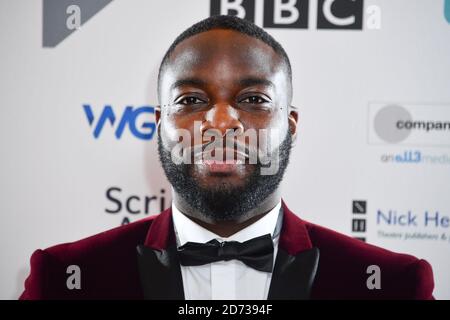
pixel 227 228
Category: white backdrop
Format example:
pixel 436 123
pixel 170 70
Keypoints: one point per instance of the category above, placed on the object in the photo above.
pixel 57 181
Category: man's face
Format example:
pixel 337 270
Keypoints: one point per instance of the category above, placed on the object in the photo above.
pixel 225 81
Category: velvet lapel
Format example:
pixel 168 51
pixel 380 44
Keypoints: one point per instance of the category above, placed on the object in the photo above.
pixel 296 262
pixel 159 269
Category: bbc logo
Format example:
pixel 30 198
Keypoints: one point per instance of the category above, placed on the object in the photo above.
pixel 294 14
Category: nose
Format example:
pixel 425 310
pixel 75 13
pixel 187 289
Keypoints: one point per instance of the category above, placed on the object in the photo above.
pixel 222 117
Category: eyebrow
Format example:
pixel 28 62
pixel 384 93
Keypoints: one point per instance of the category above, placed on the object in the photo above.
pixel 245 82
pixel 188 82
pixel 253 81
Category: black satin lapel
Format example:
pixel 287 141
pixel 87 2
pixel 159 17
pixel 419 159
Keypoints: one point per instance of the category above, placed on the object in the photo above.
pixel 293 276
pixel 160 273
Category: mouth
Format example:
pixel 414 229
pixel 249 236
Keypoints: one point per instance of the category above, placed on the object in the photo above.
pixel 223 161
pixel 228 166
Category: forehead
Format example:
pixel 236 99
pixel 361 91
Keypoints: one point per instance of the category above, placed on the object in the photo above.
pixel 223 53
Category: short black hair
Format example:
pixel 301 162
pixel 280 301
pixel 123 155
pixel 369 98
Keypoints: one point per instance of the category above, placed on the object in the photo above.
pixel 231 23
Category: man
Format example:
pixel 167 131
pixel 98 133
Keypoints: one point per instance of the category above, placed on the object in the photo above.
pixel 228 234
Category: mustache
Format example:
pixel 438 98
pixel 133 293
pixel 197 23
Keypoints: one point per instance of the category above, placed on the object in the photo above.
pixel 225 146
pixel 255 148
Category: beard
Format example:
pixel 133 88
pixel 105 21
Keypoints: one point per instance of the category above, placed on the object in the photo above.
pixel 225 202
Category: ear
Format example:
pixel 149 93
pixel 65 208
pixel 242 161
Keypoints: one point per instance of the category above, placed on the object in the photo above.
pixel 158 115
pixel 293 119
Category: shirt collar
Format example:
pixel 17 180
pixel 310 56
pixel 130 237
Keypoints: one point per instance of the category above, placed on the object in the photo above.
pixel 187 230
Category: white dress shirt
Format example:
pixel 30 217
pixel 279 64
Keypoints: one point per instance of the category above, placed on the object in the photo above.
pixel 225 280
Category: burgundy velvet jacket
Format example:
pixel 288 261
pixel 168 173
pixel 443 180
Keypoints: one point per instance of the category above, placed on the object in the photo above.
pixel 139 261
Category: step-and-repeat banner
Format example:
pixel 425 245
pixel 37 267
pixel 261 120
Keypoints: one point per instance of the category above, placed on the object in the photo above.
pixel 77 127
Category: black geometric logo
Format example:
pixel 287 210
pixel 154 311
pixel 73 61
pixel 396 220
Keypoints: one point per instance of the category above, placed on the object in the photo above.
pixel 359 206
pixel 359 225
pixel 63 17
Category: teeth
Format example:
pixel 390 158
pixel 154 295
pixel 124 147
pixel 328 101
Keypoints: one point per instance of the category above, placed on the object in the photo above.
pixel 228 161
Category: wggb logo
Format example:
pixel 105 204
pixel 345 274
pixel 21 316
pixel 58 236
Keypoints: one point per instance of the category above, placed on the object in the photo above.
pixel 294 14
pixel 135 119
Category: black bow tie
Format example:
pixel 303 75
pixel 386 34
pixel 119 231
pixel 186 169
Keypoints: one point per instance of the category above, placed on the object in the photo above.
pixel 256 253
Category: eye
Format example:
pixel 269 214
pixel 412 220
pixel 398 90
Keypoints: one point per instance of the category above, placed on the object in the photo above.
pixel 190 100
pixel 254 100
